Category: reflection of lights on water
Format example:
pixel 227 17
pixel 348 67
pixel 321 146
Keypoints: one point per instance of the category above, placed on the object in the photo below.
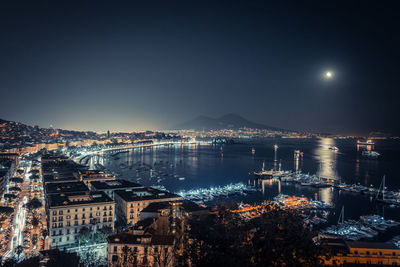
pixel 327 169
pixel 327 158
pixel 326 195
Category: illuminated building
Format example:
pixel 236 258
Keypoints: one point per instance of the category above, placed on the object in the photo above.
pixel 355 252
pixel 89 176
pixel 67 213
pixel 109 187
pixel 131 202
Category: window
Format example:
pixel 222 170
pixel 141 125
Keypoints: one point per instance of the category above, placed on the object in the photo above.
pixel 155 250
pixel 394 253
pixel 115 258
pixel 60 232
pixel 115 248
pixel 54 212
pixel 68 223
pixel 134 249
pixel 68 211
pixel 145 250
pixel 61 212
pixel 367 252
pixel 355 252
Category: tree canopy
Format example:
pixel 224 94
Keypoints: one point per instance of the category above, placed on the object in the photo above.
pixel 277 238
pixel 34 204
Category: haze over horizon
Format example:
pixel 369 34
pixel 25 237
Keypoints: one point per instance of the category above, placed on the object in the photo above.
pixel 153 65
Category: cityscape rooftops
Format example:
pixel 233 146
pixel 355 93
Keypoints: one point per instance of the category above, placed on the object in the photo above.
pixel 114 185
pixel 128 238
pixel 371 245
pixel 95 175
pixel 144 194
pixel 187 205
pixel 78 198
pixel 67 187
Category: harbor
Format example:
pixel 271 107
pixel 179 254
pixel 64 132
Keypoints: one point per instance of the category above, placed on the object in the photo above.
pixel 301 169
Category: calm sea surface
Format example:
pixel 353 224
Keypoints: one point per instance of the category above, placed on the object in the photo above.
pixel 184 167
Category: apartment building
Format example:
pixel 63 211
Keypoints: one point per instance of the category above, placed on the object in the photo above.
pixel 67 213
pixel 109 187
pixel 129 203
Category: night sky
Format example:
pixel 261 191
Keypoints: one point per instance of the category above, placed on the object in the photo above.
pixel 98 65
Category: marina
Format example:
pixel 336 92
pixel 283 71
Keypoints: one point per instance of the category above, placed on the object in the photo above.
pixel 367 227
pixel 300 168
pixel 212 193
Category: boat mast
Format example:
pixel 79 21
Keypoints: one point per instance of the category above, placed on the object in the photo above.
pixel 341 217
pixel 275 155
pixel 382 185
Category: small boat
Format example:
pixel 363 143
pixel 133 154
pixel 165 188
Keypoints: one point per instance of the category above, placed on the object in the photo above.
pixel 371 154
pixel 334 148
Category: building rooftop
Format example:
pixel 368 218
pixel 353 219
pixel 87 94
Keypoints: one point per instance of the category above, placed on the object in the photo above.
pixel 187 205
pixel 67 187
pixel 116 184
pixel 372 245
pixel 78 198
pixel 144 194
pixel 128 238
pixel 95 174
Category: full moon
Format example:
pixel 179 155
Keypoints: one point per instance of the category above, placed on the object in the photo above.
pixel 328 74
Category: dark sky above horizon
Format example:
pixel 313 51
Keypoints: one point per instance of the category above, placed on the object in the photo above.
pixel 99 65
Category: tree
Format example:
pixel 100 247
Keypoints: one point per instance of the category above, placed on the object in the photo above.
pixel 100 236
pixel 62 259
pixel 164 256
pixel 276 238
pixel 34 204
pixel 10 262
pixel 89 258
pixel 18 251
pixel 35 221
pixel 84 235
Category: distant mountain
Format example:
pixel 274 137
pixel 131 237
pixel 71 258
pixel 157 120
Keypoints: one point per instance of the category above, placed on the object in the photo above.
pixel 229 121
